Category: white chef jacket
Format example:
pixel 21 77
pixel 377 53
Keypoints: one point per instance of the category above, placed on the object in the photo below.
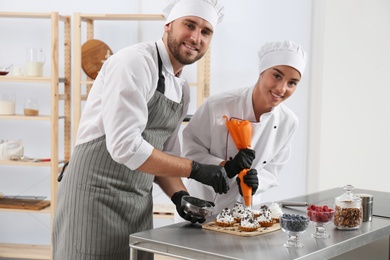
pixel 206 140
pixel 117 103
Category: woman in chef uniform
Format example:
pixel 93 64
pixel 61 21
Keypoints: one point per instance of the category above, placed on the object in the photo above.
pixel 206 137
pixel 128 138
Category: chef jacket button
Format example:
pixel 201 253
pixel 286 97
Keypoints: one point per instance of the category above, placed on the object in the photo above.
pixel 275 126
pixel 264 162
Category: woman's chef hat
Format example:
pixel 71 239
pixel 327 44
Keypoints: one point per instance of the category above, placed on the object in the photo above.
pixel 285 52
pixel 208 10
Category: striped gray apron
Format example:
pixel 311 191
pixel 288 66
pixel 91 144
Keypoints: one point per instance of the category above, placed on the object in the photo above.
pixel 101 202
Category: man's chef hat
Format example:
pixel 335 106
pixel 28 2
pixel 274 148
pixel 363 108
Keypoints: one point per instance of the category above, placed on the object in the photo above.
pixel 208 10
pixel 285 52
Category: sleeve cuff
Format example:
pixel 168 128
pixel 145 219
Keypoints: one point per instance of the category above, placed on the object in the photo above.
pixel 142 154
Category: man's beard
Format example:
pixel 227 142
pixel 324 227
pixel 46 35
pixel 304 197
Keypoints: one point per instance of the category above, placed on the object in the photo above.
pixel 173 47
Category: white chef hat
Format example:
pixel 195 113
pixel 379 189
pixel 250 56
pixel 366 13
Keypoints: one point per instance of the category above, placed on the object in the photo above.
pixel 285 52
pixel 208 10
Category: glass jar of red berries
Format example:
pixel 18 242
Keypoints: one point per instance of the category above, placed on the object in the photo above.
pixel 348 210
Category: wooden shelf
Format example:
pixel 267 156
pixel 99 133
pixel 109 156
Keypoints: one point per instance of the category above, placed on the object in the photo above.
pixel 25 251
pixel 122 17
pixel 59 43
pixel 32 118
pixel 34 15
pixel 43 211
pixel 30 163
pixel 19 163
pixel 30 79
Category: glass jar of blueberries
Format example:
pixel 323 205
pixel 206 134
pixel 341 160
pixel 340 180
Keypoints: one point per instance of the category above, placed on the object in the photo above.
pixel 348 210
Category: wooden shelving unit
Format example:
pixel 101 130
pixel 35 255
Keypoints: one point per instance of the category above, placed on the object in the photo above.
pixel 57 94
pixel 203 66
pixel 25 251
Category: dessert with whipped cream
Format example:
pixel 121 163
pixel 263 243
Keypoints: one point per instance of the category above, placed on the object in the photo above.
pixel 238 211
pixel 249 223
pixel 276 211
pixel 256 212
pixel 264 218
pixel 225 218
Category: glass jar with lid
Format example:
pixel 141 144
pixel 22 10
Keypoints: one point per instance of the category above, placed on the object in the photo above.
pixel 348 210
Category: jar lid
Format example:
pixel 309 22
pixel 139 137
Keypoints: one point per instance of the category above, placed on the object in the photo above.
pixel 348 195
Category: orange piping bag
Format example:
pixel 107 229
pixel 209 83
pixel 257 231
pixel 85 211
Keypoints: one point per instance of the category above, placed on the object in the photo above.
pixel 241 132
pixel 245 189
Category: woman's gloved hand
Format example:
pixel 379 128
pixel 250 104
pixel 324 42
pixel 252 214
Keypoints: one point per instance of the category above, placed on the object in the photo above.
pixel 242 160
pixel 212 175
pixel 176 199
pixel 250 179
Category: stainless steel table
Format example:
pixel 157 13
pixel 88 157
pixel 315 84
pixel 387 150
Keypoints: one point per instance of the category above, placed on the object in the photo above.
pixel 187 241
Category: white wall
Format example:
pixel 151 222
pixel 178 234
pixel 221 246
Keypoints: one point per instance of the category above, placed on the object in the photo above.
pixel 349 124
pixel 246 26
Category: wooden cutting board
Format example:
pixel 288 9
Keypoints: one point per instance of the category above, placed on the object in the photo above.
pixel 234 230
pixel 93 54
pixel 24 204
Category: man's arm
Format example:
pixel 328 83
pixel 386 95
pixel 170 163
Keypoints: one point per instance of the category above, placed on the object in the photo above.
pixel 163 164
pixel 170 185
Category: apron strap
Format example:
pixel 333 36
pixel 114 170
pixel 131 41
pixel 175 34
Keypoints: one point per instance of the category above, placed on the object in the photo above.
pixel 161 79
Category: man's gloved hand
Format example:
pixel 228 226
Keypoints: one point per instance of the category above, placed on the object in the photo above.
pixel 242 160
pixel 176 199
pixel 212 175
pixel 250 179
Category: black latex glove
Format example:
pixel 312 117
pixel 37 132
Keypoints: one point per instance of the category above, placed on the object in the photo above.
pixel 250 179
pixel 242 160
pixel 212 175
pixel 176 199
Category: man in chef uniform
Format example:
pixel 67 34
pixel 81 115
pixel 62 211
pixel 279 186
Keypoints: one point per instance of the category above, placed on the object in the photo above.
pixel 128 138
pixel 206 138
